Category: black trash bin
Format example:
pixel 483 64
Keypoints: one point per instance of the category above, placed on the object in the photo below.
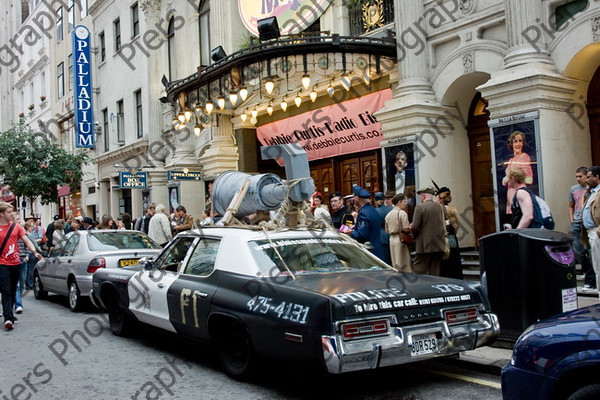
pixel 529 275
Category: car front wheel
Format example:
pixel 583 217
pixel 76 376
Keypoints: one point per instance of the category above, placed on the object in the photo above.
pixel 236 352
pixel 590 392
pixel 38 289
pixel 75 300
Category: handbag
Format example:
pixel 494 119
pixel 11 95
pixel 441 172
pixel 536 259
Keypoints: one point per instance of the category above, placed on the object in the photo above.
pixel 406 236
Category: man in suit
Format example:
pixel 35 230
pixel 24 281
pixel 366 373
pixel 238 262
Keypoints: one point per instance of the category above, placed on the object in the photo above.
pixel 591 218
pixel 429 229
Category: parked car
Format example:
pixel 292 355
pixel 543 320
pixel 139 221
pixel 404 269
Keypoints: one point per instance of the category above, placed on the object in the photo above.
pixel 301 295
pixel 69 267
pixel 557 358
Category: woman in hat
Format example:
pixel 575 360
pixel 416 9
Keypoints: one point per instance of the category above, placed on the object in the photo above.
pixel 395 222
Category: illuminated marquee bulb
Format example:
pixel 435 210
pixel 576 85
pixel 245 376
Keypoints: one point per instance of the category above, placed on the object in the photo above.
pixel 270 109
pixel 283 105
pixel 346 82
pixel 209 107
pixel 313 95
pixel 330 90
pixel 298 100
pixel 221 102
pixel 243 116
pixel 188 114
pixel 269 86
pixel 181 117
pixel 233 98
pixel 197 130
pixel 243 93
pixel 254 113
pixel 305 81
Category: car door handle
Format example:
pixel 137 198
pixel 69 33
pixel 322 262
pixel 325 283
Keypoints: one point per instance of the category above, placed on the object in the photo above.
pixel 202 294
pixel 160 285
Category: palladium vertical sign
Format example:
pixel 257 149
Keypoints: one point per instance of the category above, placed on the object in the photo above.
pixel 84 113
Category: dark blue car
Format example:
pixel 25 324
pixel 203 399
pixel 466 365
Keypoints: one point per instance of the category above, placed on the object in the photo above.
pixel 557 358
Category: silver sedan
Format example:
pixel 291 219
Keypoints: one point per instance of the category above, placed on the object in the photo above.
pixel 69 267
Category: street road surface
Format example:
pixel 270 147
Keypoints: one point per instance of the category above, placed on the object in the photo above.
pixel 55 354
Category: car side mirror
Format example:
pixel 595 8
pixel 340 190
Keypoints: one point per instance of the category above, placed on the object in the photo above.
pixel 147 264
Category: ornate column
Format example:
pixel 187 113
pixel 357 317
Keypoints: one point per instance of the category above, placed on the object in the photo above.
pixel 222 155
pixel 526 38
pixel 413 76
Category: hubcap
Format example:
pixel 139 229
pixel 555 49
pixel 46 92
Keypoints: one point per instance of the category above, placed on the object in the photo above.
pixel 73 295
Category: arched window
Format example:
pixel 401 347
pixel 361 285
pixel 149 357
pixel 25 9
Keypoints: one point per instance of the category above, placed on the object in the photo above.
pixel 204 32
pixel 172 50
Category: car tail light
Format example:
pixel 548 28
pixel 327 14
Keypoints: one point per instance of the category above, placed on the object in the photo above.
pixel 98 262
pixel 359 330
pixel 456 317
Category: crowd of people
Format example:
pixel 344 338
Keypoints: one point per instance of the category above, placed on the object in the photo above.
pixel 383 226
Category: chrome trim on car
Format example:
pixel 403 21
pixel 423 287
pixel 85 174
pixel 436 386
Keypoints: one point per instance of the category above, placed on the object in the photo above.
pixel 395 348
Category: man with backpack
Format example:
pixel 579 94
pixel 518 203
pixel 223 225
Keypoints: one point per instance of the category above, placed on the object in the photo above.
pixel 528 210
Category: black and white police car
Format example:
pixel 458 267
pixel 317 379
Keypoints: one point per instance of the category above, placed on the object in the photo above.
pixel 294 293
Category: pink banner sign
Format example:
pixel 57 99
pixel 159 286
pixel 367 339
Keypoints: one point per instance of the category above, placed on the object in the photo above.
pixel 343 128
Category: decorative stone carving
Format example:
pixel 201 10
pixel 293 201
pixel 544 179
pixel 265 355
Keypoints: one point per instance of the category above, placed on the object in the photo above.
pixel 595 29
pixel 466 6
pixel 150 7
pixel 468 60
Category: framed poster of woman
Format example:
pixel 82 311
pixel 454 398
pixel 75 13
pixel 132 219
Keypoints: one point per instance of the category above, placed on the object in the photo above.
pixel 400 172
pixel 515 142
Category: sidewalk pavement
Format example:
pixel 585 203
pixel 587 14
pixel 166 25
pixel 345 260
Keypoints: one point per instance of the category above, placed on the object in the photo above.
pixel 491 359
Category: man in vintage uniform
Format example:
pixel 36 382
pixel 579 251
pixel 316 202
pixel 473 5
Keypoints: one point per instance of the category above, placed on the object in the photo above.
pixel 429 229
pixel 591 218
pixel 340 215
pixel 367 222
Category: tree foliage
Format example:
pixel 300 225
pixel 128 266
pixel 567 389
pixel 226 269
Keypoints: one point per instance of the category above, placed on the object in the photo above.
pixel 34 166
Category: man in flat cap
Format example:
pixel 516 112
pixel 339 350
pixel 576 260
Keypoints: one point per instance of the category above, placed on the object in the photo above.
pixel 429 229
pixel 367 222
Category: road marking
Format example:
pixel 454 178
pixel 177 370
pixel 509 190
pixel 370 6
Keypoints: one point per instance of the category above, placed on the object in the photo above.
pixel 477 381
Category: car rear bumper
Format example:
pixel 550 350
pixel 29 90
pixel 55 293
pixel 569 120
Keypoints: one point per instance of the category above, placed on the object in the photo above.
pixel 395 348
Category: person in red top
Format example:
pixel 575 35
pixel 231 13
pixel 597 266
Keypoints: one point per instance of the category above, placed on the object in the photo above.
pixel 10 260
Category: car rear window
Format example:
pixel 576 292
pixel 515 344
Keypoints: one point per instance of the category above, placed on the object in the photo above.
pixel 120 240
pixel 312 255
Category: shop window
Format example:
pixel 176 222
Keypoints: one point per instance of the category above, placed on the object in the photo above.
pixel 368 15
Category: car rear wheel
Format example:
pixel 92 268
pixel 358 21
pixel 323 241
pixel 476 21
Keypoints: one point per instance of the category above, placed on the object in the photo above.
pixel 38 289
pixel 75 300
pixel 236 352
pixel 121 323
pixel 590 392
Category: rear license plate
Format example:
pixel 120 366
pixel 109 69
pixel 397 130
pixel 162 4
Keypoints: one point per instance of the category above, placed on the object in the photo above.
pixel 128 261
pixel 424 344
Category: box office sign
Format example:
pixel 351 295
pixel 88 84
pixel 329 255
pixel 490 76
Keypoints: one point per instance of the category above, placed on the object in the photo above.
pixel 84 111
pixel 293 16
pixel 133 180
pixel 343 128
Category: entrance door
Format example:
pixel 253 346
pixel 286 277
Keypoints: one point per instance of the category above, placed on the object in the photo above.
pixel 594 116
pixel 324 179
pixel 362 171
pixel 484 219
